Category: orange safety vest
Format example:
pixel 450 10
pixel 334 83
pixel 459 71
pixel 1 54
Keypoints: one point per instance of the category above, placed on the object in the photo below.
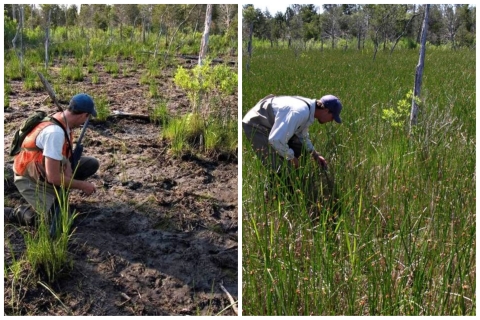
pixel 30 161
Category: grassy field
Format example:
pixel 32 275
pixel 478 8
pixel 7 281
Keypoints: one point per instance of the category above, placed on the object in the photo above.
pixel 400 239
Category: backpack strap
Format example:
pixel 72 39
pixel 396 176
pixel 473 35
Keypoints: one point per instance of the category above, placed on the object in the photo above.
pixel 272 96
pixel 303 101
pixel 265 99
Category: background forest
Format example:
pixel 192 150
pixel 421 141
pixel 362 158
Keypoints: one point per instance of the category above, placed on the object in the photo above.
pixel 124 18
pixel 346 26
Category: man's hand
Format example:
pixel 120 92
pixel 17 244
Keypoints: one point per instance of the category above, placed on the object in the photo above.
pixel 88 188
pixel 320 160
pixel 295 163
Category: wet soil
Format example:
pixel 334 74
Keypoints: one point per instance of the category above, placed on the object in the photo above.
pixel 159 237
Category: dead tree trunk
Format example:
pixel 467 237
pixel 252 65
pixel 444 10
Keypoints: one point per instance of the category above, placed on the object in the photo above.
pixel 19 36
pixel 206 33
pixel 249 45
pixel 47 38
pixel 419 71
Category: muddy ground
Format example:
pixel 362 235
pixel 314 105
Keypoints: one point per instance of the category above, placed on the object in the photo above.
pixel 160 234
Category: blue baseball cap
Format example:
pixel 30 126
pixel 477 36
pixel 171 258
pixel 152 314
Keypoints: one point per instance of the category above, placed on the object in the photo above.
pixel 84 103
pixel 334 105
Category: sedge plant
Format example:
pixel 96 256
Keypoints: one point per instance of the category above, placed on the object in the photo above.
pixel 47 247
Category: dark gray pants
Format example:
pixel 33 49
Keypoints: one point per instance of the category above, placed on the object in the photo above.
pixel 280 172
pixel 269 157
pixel 42 195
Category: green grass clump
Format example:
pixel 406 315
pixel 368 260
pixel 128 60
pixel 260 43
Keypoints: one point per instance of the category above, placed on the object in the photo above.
pixel 46 248
pixel 160 113
pixel 103 107
pixel 32 82
pixel 72 73
pixel 113 68
pixel 6 95
pixel 400 239
pixel 193 134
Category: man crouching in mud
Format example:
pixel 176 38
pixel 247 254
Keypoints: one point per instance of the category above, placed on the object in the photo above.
pixel 43 168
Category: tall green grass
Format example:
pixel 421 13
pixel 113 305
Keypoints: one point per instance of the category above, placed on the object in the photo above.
pixel 401 238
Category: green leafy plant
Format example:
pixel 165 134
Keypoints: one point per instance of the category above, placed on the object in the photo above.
pixel 195 82
pixel 202 82
pixel 209 124
pixel 398 115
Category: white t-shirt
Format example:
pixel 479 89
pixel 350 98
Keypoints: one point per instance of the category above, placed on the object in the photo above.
pixel 51 140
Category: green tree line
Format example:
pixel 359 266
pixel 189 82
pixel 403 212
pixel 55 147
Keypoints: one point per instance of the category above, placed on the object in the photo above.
pixel 123 18
pixel 354 25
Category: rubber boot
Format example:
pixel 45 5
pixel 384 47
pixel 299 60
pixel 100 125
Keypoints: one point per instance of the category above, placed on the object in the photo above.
pixel 23 215
pixel 7 214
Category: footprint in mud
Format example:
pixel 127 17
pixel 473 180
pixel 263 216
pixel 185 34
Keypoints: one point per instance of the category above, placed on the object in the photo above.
pixel 168 184
pixel 132 185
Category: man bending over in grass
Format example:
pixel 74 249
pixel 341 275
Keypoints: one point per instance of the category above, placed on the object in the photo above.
pixel 44 163
pixel 277 127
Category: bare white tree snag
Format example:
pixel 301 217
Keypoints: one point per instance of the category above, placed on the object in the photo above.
pixel 47 38
pixel 206 32
pixel 419 71
pixel 19 36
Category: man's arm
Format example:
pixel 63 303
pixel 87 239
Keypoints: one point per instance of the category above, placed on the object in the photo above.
pixel 57 176
pixel 286 123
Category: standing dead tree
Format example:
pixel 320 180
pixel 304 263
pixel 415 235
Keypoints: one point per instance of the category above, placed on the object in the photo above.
pixel 249 15
pixel 47 38
pixel 419 71
pixel 19 37
pixel 206 33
